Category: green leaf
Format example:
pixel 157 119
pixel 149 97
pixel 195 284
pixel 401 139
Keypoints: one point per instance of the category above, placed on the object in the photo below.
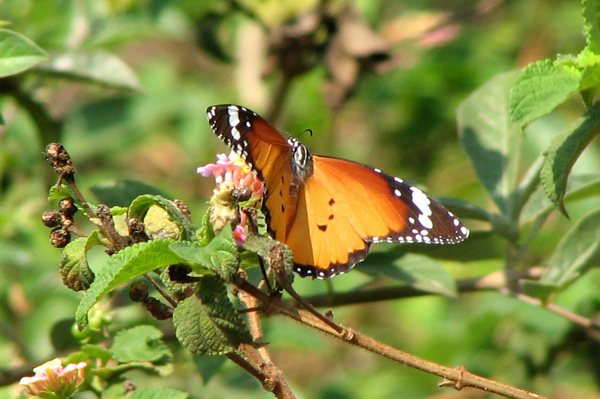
pixel 74 269
pixel 141 205
pixel 591 27
pixel 97 351
pixel 275 254
pixel 97 67
pixel 489 138
pixel 579 187
pixel 208 366
pixel 537 289
pixel 58 193
pixel 207 323
pixel 18 53
pixel 122 192
pixel 564 151
pixel 140 344
pixel 220 255
pixel 540 88
pixel 577 252
pixel 129 263
pixel 158 393
pixel 464 209
pixel 417 271
pixel 206 232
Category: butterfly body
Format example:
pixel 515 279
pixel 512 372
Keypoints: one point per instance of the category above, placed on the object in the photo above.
pixel 329 210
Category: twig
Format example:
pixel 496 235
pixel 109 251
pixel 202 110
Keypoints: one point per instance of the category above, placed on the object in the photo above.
pixel 575 318
pixel 455 377
pixel 258 356
pixel 493 281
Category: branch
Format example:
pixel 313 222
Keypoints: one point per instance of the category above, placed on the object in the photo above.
pixel 455 377
pixel 573 317
pixel 494 281
pixel 257 358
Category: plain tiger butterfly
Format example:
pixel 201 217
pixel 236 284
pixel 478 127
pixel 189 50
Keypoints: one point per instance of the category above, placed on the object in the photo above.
pixel 329 210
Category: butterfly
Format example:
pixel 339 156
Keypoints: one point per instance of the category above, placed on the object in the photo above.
pixel 329 210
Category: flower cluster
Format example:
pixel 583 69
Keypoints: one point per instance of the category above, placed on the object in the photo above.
pixel 53 381
pixel 235 184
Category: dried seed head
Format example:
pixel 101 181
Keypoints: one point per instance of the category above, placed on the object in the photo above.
pixel 157 309
pixel 138 291
pixel 67 206
pixel 137 230
pixel 52 218
pixel 59 159
pixel 183 208
pixel 60 237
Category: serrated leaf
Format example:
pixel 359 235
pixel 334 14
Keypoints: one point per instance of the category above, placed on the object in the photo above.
pixel 127 264
pixel 564 151
pixel 591 27
pixel 74 269
pixel 579 187
pixel 489 138
pixel 140 344
pixel 18 53
pixel 275 255
pixel 416 271
pixel 122 192
pixel 158 393
pixel 540 88
pixel 207 323
pixel 576 253
pixel 140 206
pixel 220 255
pixel 206 232
pixel 97 67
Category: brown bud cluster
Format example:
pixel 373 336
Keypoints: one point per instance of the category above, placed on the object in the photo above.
pixel 60 221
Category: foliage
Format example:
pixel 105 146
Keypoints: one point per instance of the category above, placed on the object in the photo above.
pixel 124 86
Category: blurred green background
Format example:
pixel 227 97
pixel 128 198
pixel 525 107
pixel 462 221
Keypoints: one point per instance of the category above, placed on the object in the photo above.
pixel 182 56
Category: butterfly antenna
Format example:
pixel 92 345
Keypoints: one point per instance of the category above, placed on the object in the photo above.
pixel 305 131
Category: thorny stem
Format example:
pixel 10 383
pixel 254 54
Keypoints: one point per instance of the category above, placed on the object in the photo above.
pixel 455 377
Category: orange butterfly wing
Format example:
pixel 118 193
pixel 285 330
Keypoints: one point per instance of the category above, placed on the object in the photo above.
pixel 328 210
pixel 344 206
pixel 267 152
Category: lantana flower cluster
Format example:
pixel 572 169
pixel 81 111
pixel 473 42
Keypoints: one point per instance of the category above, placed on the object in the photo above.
pixel 236 183
pixel 53 381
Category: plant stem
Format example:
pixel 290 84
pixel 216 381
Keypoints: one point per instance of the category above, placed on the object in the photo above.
pixel 454 377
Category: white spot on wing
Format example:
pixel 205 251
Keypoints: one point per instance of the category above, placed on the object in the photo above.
pixel 422 202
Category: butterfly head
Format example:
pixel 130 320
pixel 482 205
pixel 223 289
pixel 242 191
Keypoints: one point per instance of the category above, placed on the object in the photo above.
pixel 302 163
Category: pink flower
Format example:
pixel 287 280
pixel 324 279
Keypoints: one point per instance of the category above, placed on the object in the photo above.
pixel 53 381
pixel 237 186
pixel 232 168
